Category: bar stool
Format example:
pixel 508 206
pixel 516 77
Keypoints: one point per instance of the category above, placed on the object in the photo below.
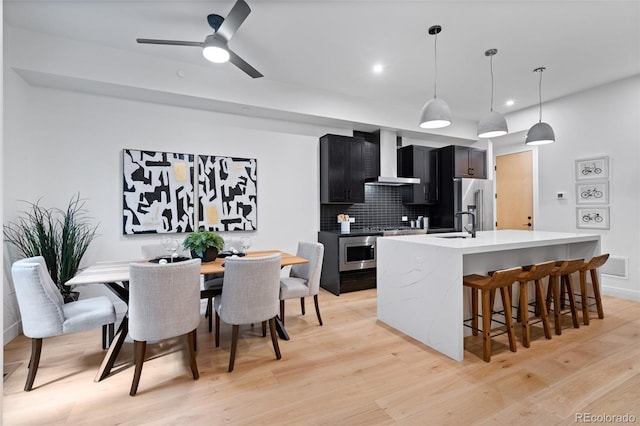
pixel 563 270
pixel 502 280
pixel 591 267
pixel 534 273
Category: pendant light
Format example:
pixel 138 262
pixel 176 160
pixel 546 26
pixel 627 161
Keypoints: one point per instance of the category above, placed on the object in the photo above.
pixel 493 124
pixel 436 112
pixel 541 133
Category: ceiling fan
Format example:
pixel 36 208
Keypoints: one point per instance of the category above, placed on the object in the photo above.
pixel 214 47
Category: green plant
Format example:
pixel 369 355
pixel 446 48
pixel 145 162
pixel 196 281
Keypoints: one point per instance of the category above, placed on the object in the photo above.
pixel 200 240
pixel 61 237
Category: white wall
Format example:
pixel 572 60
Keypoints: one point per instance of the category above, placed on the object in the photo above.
pixel 601 121
pixel 59 142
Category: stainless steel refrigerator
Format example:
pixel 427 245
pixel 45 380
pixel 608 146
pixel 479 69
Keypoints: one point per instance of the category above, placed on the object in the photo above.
pixel 475 196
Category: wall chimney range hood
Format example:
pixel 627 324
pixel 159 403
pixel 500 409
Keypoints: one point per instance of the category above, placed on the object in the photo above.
pixel 388 163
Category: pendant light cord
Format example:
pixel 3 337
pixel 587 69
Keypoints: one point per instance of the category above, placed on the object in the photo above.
pixel 491 67
pixel 435 54
pixel 540 96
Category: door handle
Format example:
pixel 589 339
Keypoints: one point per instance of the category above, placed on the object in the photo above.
pixel 526 224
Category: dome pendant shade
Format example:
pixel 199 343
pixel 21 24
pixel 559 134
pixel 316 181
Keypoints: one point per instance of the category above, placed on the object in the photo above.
pixel 435 114
pixel 215 50
pixel 492 125
pixel 540 134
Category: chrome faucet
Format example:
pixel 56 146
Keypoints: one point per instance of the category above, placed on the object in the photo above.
pixel 473 222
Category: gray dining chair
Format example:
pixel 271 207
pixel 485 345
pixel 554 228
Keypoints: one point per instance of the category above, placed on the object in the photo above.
pixel 44 313
pixel 212 285
pixel 164 302
pixel 249 296
pixel 303 280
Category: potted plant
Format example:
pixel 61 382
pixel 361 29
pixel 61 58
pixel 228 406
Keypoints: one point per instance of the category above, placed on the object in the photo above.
pixel 61 237
pixel 204 244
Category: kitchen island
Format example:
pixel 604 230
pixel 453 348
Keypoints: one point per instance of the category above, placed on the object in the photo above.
pixel 420 291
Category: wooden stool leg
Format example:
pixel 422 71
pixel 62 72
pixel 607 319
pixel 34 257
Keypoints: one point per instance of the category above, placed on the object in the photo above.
pixel 584 297
pixel 572 301
pixel 506 302
pixel 474 311
pixel 524 314
pixel 555 289
pixel 486 325
pixel 543 309
pixel 596 292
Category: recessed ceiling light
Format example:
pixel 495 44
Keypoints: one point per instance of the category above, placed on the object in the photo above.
pixel 510 102
pixel 378 68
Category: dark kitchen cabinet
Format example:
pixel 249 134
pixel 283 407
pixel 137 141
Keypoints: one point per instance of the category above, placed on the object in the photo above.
pixel 341 169
pixel 421 162
pixel 469 162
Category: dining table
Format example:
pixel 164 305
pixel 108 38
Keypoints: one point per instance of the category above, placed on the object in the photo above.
pixel 115 275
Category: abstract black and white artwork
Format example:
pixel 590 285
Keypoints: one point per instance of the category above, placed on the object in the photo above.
pixel 158 194
pixel 228 191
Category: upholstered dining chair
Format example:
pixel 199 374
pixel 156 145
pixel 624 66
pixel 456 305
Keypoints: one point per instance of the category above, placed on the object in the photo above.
pixel 212 285
pixel 303 280
pixel 44 313
pixel 249 295
pixel 164 302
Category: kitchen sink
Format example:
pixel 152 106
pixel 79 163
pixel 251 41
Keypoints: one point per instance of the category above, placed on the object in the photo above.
pixel 453 236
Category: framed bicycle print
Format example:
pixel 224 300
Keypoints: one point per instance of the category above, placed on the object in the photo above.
pixel 592 217
pixel 592 168
pixel 592 193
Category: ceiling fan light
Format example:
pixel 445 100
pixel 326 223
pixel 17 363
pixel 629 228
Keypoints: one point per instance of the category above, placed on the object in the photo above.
pixel 540 134
pixel 435 114
pixel 492 125
pixel 215 50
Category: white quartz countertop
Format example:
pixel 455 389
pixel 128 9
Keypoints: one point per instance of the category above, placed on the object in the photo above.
pixel 496 240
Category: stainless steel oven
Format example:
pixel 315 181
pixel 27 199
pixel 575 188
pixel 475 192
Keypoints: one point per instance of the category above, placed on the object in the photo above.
pixel 358 252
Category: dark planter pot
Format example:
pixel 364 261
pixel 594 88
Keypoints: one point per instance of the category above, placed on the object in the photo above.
pixel 72 297
pixel 209 255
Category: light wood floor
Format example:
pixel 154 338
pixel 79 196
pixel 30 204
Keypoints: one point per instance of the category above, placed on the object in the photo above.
pixel 353 370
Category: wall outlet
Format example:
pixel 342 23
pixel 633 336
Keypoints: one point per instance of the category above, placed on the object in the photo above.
pixel 405 218
pixel 561 195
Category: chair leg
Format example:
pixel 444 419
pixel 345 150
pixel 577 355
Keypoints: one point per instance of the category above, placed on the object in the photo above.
pixel 572 300
pixel 302 305
pixel 555 289
pixel 36 349
pixel 282 311
pixel 208 312
pixel 107 335
pixel 139 349
pixel 264 329
pixel 506 302
pixel 191 342
pixel 595 283
pixel 315 302
pixel 486 325
pixel 234 346
pixel 544 315
pixel 523 313
pixel 274 337
pixel 474 311
pixel 217 330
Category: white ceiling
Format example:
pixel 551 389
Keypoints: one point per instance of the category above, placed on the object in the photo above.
pixel 332 45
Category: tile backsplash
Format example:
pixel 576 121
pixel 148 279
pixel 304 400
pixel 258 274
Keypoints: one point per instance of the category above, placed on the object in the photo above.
pixel 382 207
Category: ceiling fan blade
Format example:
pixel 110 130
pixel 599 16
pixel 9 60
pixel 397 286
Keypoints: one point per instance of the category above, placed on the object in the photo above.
pixel 169 42
pixel 234 19
pixel 240 63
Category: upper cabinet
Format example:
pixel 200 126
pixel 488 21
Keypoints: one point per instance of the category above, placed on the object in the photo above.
pixel 421 162
pixel 341 169
pixel 465 162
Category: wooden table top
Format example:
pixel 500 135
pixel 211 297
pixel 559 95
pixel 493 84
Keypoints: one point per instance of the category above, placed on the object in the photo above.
pixel 109 272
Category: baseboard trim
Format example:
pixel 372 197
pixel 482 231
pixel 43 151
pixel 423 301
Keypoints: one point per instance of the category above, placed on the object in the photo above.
pixel 622 293
pixel 12 332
